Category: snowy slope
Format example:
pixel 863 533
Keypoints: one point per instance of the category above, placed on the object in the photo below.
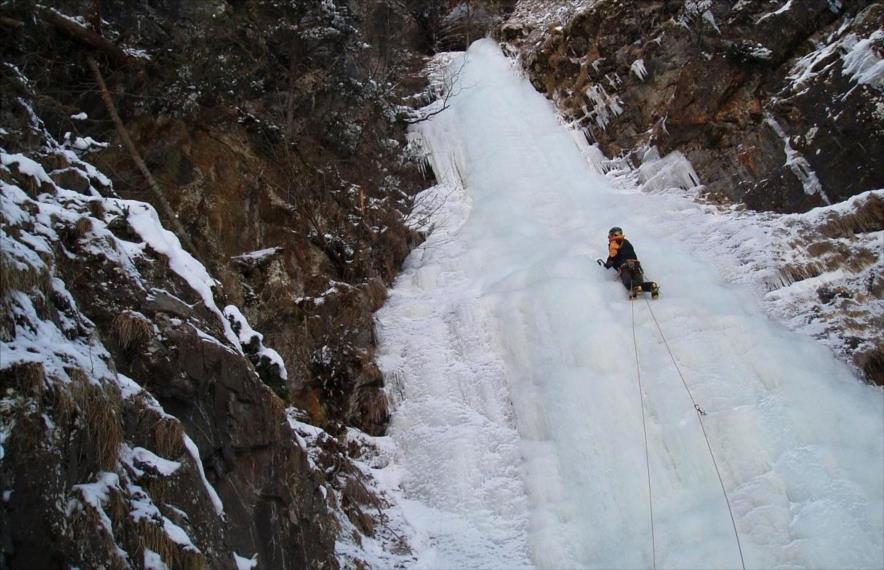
pixel 510 358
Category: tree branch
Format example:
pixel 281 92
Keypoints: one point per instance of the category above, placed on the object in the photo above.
pixel 136 158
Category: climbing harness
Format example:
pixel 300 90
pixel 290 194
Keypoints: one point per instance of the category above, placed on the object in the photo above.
pixel 645 433
pixel 700 414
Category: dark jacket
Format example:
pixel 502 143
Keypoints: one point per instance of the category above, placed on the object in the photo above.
pixel 619 252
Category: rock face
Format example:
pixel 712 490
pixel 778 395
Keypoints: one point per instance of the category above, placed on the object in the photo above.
pixel 133 425
pixel 772 103
pixel 186 320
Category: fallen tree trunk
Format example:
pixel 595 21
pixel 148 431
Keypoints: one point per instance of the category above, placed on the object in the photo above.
pixel 84 35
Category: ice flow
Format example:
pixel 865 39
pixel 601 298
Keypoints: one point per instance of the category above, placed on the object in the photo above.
pixel 509 356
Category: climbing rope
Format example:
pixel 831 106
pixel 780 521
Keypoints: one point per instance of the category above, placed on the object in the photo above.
pixel 700 414
pixel 645 433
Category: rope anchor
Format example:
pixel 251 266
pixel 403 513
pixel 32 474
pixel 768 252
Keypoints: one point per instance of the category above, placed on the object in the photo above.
pixel 699 409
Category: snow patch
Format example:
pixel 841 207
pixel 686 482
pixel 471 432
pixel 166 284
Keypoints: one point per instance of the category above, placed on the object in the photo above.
pixel 210 490
pixel 144 220
pixel 252 342
pixel 243 563
pixel 144 457
pixel 96 495
pixel 26 166
pixel 153 561
pixel 781 10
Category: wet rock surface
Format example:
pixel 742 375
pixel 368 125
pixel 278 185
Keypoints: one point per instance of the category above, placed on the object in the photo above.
pixel 772 103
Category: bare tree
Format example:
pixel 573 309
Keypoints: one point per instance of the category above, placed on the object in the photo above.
pixel 448 88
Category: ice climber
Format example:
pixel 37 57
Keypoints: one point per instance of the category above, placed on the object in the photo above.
pixel 622 257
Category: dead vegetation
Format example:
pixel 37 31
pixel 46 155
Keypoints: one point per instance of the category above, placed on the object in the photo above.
pixel 89 517
pixel 14 278
pixel 100 407
pixel 871 362
pixel 154 537
pixel 867 217
pixel 354 497
pixel 82 227
pixel 169 436
pixel 132 329
pixel 30 379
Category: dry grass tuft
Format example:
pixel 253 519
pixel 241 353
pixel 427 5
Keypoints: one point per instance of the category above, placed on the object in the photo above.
pixel 868 217
pixel 158 488
pixel 64 409
pixel 29 436
pixel 101 407
pixel 30 379
pixel 82 227
pixel 872 364
pixel 169 437
pixel 793 273
pixel 96 208
pixel 277 414
pixel 13 278
pixel 155 538
pixel 354 496
pixel 132 329
pixel 88 518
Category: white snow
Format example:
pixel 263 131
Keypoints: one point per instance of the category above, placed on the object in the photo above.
pixel 143 508
pixel 247 333
pixel 178 535
pixel 145 457
pixel 96 495
pixel 26 166
pixel 517 428
pixel 82 143
pixel 210 490
pixel 258 255
pixel 153 561
pixel 758 51
pixel 243 563
pixel 42 341
pixel 144 220
pixel 781 10
pixel 306 436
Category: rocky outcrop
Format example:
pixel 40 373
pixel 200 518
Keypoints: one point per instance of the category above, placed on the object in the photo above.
pixel 771 104
pixel 468 21
pixel 185 310
pixel 133 426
